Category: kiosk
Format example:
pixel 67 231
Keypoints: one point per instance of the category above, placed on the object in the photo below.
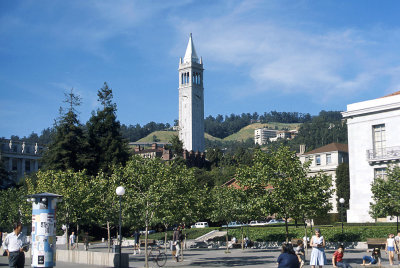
pixel 44 229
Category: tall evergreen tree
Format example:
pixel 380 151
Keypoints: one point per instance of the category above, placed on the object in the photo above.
pixel 104 135
pixel 68 148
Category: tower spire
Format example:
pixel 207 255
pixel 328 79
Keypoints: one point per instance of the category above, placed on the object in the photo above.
pixel 190 55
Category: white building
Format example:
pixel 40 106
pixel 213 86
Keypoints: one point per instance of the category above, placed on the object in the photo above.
pixel 191 100
pixel 326 159
pixel 19 158
pixel 374 142
pixel 262 135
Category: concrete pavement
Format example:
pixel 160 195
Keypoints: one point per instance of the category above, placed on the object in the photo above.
pixel 218 258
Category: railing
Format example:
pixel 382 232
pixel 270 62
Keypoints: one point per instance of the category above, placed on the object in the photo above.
pixel 386 153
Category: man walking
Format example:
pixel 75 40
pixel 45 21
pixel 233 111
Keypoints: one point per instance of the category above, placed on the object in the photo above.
pixel 177 238
pixel 72 238
pixel 15 244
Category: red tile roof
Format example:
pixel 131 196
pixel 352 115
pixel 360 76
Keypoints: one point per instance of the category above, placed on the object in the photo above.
pixel 392 94
pixel 330 148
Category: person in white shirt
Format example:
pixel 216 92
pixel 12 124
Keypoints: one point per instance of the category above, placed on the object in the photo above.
pixel 72 240
pixel 15 244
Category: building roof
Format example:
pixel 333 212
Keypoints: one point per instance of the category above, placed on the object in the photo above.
pixel 190 55
pixel 392 94
pixel 330 148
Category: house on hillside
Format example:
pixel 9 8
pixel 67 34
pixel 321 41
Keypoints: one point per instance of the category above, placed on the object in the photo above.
pixel 373 135
pixel 326 159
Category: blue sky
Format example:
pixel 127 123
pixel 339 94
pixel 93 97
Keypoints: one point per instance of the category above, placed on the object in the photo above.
pixel 258 56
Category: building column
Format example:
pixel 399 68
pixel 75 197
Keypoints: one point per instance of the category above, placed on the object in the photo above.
pixel 22 166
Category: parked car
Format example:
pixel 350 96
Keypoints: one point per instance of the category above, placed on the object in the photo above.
pixel 234 224
pixel 201 224
pixel 273 221
pixel 258 223
pixel 148 232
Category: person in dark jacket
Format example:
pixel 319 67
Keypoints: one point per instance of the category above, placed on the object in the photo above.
pixel 288 258
pixel 177 239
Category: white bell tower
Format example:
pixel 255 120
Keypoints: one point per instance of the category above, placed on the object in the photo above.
pixel 191 100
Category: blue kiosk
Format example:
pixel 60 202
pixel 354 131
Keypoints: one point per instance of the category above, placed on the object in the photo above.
pixel 43 235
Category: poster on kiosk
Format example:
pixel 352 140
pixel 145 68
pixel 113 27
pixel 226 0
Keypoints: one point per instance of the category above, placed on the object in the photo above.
pixel 43 246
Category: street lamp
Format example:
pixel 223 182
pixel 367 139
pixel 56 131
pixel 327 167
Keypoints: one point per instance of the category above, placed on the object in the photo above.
pixel 120 192
pixel 341 201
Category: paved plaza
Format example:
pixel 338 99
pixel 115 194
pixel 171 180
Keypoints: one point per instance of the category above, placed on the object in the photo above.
pixel 218 258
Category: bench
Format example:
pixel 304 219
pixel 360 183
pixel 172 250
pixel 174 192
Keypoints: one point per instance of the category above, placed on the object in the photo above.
pixel 376 243
pixel 150 242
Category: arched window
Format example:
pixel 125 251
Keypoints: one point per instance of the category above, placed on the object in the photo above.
pixel 182 78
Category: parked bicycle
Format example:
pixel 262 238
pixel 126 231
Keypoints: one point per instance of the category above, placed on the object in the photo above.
pixel 157 256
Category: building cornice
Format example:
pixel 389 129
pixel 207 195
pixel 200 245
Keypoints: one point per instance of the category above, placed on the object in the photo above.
pixel 371 110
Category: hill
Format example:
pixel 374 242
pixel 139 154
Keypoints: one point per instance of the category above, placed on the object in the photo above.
pixel 165 136
pixel 248 131
pixel 242 135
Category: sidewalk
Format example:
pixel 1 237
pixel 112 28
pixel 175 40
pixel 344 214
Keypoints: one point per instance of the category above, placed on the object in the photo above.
pixel 218 258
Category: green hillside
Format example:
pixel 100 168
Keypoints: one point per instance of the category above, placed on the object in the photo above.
pixel 166 136
pixel 248 131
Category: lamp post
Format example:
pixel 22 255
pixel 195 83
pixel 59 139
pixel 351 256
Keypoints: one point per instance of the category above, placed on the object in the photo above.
pixel 120 192
pixel 341 201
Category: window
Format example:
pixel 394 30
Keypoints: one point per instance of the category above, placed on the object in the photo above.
pixel 14 164
pixel 27 165
pixel 379 139
pixel 380 173
pixel 318 160
pixel 328 159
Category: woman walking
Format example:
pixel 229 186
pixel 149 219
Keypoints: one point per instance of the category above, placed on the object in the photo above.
pixel 318 256
pixel 390 246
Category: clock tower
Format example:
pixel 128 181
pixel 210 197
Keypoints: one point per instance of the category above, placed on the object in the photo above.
pixel 191 100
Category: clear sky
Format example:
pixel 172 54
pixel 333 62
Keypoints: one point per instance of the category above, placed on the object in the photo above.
pixel 258 56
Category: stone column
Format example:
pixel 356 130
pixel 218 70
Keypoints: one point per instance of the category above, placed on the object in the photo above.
pixel 22 166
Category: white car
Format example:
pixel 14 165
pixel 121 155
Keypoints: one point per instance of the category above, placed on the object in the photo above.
pixel 234 224
pixel 201 224
pixel 258 223
pixel 275 221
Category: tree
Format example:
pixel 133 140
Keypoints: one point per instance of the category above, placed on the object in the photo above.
pixel 277 183
pixel 153 189
pixel 177 145
pixel 343 184
pixel 79 197
pixel 386 194
pixel 68 148
pixel 13 208
pixel 107 146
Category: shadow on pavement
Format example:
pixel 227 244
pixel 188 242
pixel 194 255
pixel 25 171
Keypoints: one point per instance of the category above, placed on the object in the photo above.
pixel 232 261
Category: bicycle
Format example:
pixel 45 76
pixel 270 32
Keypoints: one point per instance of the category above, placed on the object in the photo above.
pixel 157 256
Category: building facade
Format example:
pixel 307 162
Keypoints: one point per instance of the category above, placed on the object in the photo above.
pixel 326 159
pixel 263 135
pixel 191 100
pixel 20 158
pixel 373 135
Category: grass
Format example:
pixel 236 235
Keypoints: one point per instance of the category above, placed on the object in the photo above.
pixel 242 135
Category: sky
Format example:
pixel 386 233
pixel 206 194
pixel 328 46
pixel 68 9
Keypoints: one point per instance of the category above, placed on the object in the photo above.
pixel 294 56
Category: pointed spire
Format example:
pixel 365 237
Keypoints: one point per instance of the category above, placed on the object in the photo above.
pixel 190 55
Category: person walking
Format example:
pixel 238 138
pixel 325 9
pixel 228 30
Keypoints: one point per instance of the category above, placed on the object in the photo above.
pixel 318 256
pixel 288 258
pixel 301 255
pixel 397 243
pixel 15 244
pixel 72 238
pixel 390 247
pixel 177 238
pixel 337 258
pixel 136 242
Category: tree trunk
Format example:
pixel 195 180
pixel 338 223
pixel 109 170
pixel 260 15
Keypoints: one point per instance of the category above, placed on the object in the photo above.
pixel 77 235
pixel 227 248
pixel 165 240
pixel 146 260
pixel 67 237
pixel 108 236
pixel 242 237
pixel 287 230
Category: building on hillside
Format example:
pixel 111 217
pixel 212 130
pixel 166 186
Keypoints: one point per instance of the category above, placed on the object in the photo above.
pixel 154 152
pixel 191 100
pixel 262 135
pixel 326 159
pixel 282 135
pixel 19 158
pixel 373 135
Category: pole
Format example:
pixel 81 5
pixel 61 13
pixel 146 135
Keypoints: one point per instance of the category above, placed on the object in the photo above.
pixel 341 214
pixel 120 236
pixel 397 225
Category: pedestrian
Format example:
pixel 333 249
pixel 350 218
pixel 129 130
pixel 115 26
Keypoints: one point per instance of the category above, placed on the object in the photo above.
pixel 288 258
pixel 177 238
pixel 300 252
pixel 390 247
pixel 15 244
pixel 397 243
pixel 86 241
pixel 374 258
pixel 72 239
pixel 136 242
pixel 318 256
pixel 337 258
